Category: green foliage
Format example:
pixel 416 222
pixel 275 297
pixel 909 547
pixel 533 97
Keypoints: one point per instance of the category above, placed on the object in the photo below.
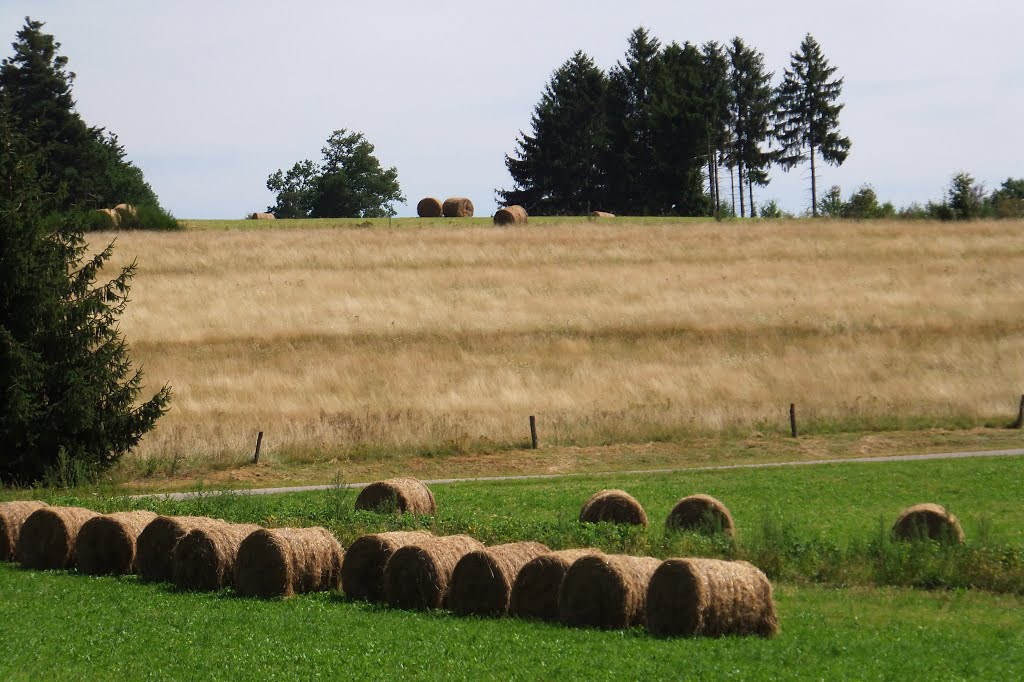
pixel 83 165
pixel 770 210
pixel 965 197
pixel 1008 200
pixel 350 183
pixel 807 119
pixel 67 389
pixel 752 111
pixel 557 168
pixel 832 205
pixel 717 110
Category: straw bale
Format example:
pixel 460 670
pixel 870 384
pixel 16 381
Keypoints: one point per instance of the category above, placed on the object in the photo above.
pixel 106 544
pixel 204 559
pixel 285 561
pixel 606 591
pixel 48 537
pixel 262 216
pixel 154 550
pixel 429 207
pixel 535 591
pixel 701 513
pixel 12 518
pixel 613 506
pixel 601 214
pixel 417 576
pixel 930 521
pixel 482 581
pixel 711 598
pixel 362 573
pixel 511 215
pixel 127 209
pixel 398 495
pixel 457 207
pixel 113 216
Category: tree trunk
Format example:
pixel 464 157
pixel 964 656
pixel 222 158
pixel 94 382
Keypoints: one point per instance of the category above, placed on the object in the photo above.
pixel 814 186
pixel 732 185
pixel 750 192
pixel 743 206
pixel 718 187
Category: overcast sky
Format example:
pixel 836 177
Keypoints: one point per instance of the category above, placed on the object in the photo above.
pixel 211 97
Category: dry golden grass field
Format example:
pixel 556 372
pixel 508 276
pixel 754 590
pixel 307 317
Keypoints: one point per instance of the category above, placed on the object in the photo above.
pixel 344 344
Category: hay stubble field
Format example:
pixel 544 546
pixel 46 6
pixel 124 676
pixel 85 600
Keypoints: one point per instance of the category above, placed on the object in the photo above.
pixel 348 343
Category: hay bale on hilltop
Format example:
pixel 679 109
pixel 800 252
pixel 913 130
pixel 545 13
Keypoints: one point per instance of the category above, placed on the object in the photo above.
pixel 613 506
pixel 606 591
pixel 601 214
pixel 930 521
pixel 417 576
pixel 12 518
pixel 204 560
pixel 106 544
pixel 511 215
pixel 126 209
pixel 429 207
pixel 262 216
pixel 154 549
pixel 701 513
pixel 711 598
pixel 282 562
pixel 112 216
pixel 457 207
pixel 399 495
pixel 48 537
pixel 482 581
pixel 535 591
pixel 362 573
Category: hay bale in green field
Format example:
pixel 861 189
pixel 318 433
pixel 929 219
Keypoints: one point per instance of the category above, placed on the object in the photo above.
pixel 613 506
pixel 482 580
pixel 282 562
pixel 701 513
pixel 48 537
pixel 362 573
pixel 106 544
pixel 930 521
pixel 606 591
pixel 12 518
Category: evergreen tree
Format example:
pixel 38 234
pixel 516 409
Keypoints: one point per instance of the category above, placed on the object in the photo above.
pixel 717 111
pixel 752 110
pixel 679 127
pixel 78 162
pixel 557 169
pixel 807 122
pixel 67 388
pixel 631 157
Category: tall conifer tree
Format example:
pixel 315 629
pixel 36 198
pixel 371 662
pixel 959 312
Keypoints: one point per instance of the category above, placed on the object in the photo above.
pixel 807 122
pixel 752 112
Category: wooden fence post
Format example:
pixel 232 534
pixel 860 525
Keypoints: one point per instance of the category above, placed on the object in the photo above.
pixel 533 432
pixel 792 419
pixel 259 444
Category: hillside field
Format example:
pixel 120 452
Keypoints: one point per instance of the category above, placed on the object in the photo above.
pixel 346 343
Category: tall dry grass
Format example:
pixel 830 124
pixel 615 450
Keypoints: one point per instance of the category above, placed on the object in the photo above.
pixel 340 342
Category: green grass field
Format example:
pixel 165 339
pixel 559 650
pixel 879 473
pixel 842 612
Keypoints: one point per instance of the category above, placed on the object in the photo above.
pixel 68 627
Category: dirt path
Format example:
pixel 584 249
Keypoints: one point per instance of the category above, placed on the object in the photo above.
pixel 532 477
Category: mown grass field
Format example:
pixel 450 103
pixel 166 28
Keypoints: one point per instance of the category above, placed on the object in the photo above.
pixel 435 340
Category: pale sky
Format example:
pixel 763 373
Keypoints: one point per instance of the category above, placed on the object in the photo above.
pixel 210 97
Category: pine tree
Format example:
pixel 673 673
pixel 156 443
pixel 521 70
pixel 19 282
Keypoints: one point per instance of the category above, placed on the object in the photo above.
pixel 752 111
pixel 717 111
pixel 631 157
pixel 79 162
pixel 557 168
pixel 807 122
pixel 67 389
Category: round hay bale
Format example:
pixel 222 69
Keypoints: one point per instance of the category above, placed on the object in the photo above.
pixel 154 549
pixel 457 207
pixel 362 573
pixel 429 207
pixel 12 518
pixel 48 536
pixel 511 215
pixel 112 216
pixel 204 560
pixel 606 591
pixel 601 214
pixel 399 495
pixel 930 521
pixel 482 581
pixel 613 506
pixel 282 562
pixel 417 576
pixel 262 216
pixel 710 598
pixel 127 209
pixel 106 544
pixel 701 513
pixel 535 591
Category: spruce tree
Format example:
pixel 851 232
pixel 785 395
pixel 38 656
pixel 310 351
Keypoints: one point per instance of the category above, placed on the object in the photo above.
pixel 80 163
pixel 807 121
pixel 557 168
pixel 752 112
pixel 717 111
pixel 67 388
